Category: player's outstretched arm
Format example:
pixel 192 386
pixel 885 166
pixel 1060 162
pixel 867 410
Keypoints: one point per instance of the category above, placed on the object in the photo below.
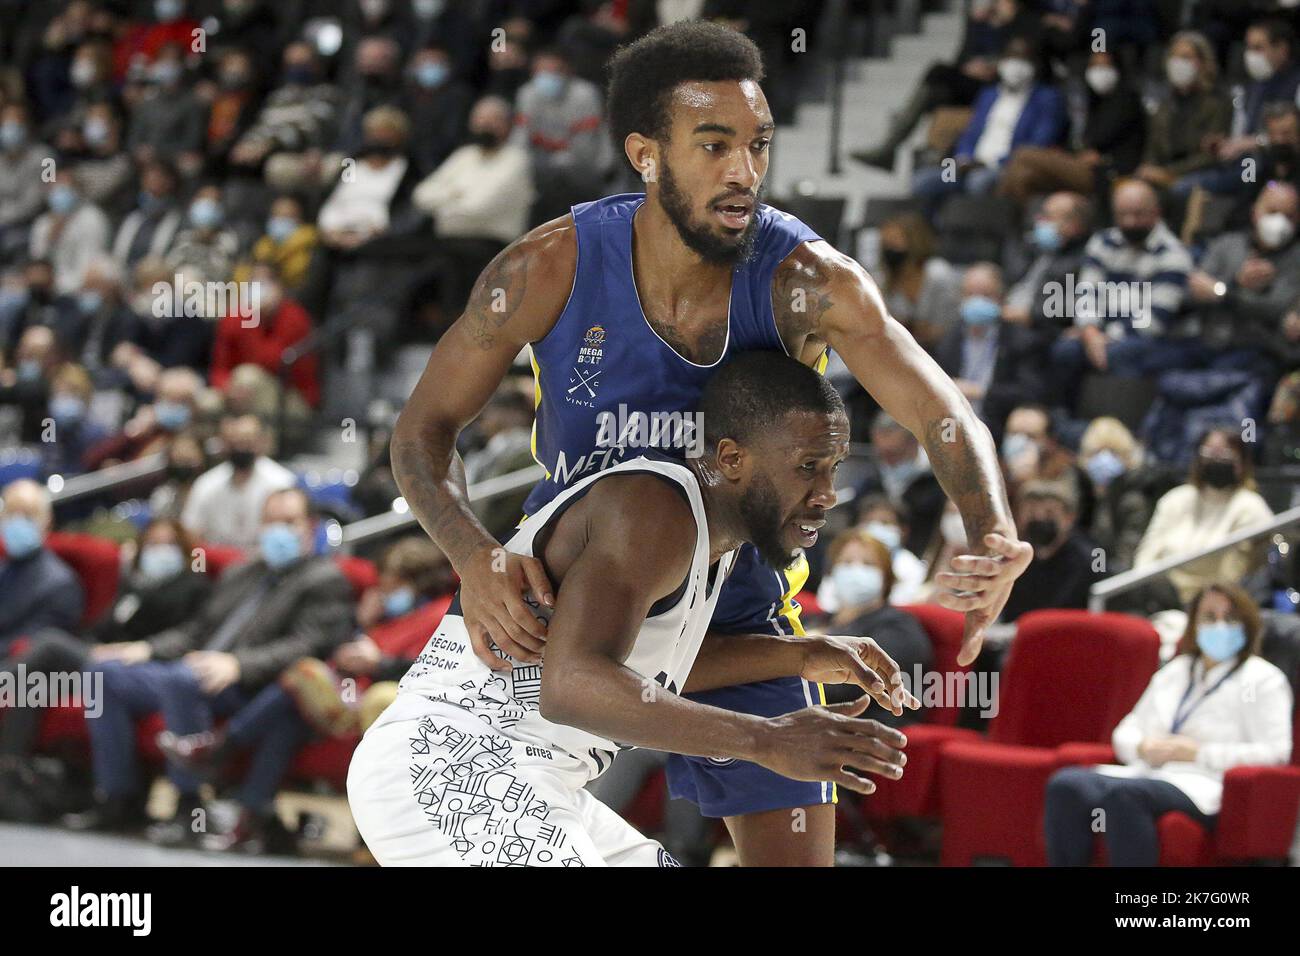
pixel 823 297
pixel 608 588
pixel 515 301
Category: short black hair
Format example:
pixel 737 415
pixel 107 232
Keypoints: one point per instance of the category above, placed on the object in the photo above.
pixel 755 391
pixel 643 74
pixel 1277 29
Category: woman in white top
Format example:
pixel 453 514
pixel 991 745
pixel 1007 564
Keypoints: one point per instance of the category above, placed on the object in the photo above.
pixel 1215 706
pixel 1218 499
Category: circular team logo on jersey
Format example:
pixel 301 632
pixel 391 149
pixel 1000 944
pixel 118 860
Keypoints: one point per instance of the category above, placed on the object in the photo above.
pixel 595 336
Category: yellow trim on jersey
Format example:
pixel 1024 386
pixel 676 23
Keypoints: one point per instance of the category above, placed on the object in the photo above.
pixel 795 578
pixel 537 403
pixel 820 365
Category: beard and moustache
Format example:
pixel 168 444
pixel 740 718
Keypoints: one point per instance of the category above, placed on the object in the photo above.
pixel 761 512
pixel 704 242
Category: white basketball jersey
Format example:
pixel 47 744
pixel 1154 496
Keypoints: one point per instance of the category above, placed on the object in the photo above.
pixel 448 671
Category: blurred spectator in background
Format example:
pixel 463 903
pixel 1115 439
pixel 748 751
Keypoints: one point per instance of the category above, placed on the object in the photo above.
pixel 25 384
pixel 559 119
pixel 249 25
pixel 1125 489
pixel 233 103
pixel 32 300
pixel 186 460
pixel 862 576
pixel 150 226
pixel 1135 334
pixel 1193 115
pixel 70 234
pixel 889 524
pixel 989 26
pixel 23 160
pixel 152 428
pixel 1065 564
pixel 141 40
pixel 284 604
pixel 998 365
pixel 920 288
pixel 901 471
pixel 99 323
pixel 1113 139
pixel 1032 450
pixel 170 122
pixel 288 245
pixel 167 337
pixel 505 429
pixel 103 170
pixel 438 103
pixel 372 192
pixel 1279 159
pixel 375 81
pixel 159 590
pixel 225 503
pixel 1215 706
pixel 1019 110
pixel 73 433
pixel 37 590
pixel 1218 499
pixel 204 246
pixel 1062 226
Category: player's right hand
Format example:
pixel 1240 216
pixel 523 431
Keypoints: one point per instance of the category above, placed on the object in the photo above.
pixel 492 589
pixel 832 743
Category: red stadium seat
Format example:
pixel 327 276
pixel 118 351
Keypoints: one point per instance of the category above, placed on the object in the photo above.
pixel 97 562
pixel 1070 677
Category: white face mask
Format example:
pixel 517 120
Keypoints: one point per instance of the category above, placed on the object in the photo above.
pixel 953 529
pixel 1275 230
pixel 1181 71
pixel 1257 66
pixel 1015 73
pixel 1101 78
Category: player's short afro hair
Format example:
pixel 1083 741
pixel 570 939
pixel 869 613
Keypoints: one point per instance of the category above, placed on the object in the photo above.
pixel 643 74
pixel 753 393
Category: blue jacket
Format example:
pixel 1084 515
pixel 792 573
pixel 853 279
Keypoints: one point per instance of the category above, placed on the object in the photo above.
pixel 1041 123
pixel 36 592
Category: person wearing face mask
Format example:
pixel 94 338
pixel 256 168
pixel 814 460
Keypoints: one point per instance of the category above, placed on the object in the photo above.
pixel 1246 281
pixel 298 117
pixel 149 228
pixel 282 604
pixel 1016 111
pixel 1133 335
pixel 225 502
pixel 159 589
pixel 25 383
pixel 438 102
pixel 153 427
pixel 289 245
pixel 22 163
pixel 186 460
pixel 70 427
pixel 862 577
pixel 1065 563
pixel 919 287
pixel 233 101
pixel 1060 232
pixel 100 323
pixel 1195 113
pixel 205 245
pixel 900 470
pixel 37 590
pixel 1218 499
pixel 376 201
pixel 70 233
pixel 1125 489
pixel 104 172
pixel 170 121
pixel 997 365
pixel 1113 137
pixel 887 523
pixel 1215 706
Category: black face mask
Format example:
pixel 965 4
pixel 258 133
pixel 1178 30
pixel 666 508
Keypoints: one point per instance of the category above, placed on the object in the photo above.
pixel 182 472
pixel 1283 153
pixel 242 460
pixel 1218 473
pixel 1135 236
pixel 484 138
pixel 893 258
pixel 1041 532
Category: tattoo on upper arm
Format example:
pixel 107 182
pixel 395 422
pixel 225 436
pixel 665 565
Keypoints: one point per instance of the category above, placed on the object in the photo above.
pixel 497 294
pixel 800 297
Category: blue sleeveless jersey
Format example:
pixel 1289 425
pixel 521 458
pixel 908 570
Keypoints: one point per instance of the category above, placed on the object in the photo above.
pixel 607 386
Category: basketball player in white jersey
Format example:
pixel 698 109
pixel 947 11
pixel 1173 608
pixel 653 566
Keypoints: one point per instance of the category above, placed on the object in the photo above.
pixel 471 766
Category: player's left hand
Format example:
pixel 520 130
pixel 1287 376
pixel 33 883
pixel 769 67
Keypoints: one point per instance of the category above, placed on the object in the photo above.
pixel 830 659
pixel 980 584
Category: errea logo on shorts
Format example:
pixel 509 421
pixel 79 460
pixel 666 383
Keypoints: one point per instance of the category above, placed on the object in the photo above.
pixel 75 909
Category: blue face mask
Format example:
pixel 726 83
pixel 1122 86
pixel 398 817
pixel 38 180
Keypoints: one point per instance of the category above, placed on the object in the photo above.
pixel 549 85
pixel 1104 467
pixel 280 545
pixel 979 310
pixel 399 602
pixel 67 409
pixel 29 371
pixel 1015 444
pixel 12 135
pixel 150 204
pixel 430 75
pixel 1046 236
pixel 280 228
pixel 21 537
pixel 173 416
pixel 205 213
pixel 886 534
pixel 1221 640
pixel 857 583
pixel 158 562
pixel 62 200
pixel 95 131
pixel 90 301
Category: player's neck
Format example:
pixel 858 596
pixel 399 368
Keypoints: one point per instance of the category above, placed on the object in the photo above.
pixel 721 509
pixel 664 261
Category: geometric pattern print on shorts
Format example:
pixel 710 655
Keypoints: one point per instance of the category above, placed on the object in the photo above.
pixel 465 786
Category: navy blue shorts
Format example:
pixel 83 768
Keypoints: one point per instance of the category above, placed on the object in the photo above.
pixel 754 600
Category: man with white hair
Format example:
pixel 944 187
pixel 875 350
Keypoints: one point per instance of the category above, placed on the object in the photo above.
pixel 37 590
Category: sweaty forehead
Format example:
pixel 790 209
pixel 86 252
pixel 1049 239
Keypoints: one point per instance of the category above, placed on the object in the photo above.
pixel 739 104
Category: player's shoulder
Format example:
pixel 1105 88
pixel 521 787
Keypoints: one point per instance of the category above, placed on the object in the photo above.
pixel 647 507
pixel 815 279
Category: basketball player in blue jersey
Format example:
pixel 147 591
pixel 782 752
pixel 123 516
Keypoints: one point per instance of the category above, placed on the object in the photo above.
pixel 629 305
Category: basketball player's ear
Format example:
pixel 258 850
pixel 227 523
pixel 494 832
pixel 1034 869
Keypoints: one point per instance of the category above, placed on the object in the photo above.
pixel 731 460
pixel 643 154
